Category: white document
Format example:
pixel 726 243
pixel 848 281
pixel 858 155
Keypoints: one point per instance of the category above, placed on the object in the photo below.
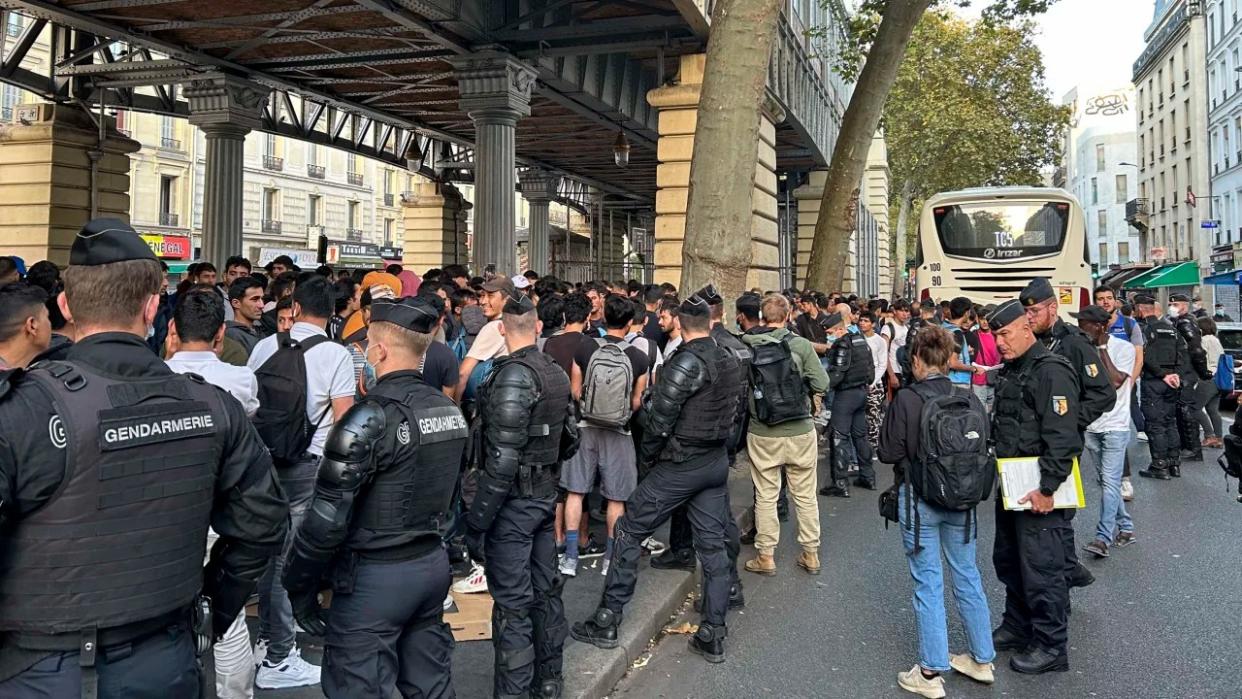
pixel 1020 475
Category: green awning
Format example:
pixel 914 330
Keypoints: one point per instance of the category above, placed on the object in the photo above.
pixel 1173 274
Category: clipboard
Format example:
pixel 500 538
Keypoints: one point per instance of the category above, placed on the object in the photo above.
pixel 1020 475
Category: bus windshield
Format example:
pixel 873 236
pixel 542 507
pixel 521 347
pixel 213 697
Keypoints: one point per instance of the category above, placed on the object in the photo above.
pixel 1001 229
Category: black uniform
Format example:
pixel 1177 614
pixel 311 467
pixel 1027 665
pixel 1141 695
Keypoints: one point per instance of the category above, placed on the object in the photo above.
pixel 112 467
pixel 1036 414
pixel 525 432
pixel 689 416
pixel 381 499
pixel 850 371
pixel 1164 354
pixel 1194 369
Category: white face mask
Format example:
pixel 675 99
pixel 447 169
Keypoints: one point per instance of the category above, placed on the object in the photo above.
pixel 1175 311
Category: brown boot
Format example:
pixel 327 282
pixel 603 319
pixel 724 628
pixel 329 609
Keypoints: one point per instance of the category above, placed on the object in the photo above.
pixel 809 561
pixel 763 564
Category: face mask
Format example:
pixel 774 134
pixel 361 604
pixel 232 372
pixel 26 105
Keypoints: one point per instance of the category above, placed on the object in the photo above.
pixel 1175 311
pixel 368 369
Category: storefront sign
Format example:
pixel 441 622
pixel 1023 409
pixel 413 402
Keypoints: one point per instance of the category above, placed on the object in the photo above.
pixel 301 257
pixel 392 253
pixel 353 254
pixel 170 247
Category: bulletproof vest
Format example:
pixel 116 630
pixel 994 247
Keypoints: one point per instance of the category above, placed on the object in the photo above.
pixel 1160 344
pixel 706 418
pixel 742 355
pixel 852 349
pixel 1015 423
pixel 547 420
pixel 123 538
pixel 409 496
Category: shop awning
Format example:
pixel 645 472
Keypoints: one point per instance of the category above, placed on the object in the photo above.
pixel 1174 274
pixel 1230 278
pixel 1116 278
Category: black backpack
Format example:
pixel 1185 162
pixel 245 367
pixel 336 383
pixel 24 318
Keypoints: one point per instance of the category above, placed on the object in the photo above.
pixel 780 394
pixel 281 419
pixel 953 469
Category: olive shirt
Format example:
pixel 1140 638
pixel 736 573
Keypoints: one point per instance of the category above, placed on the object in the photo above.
pixel 807 363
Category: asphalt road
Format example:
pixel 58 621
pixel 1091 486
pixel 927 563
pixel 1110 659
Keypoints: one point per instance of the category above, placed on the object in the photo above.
pixel 1164 618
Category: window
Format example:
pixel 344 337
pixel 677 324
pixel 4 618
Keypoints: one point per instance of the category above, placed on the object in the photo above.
pixel 388 178
pixel 1099 157
pixel 269 145
pixel 1095 191
pixel 9 99
pixel 1225 140
pixel 314 208
pixel 1103 258
pixel 388 228
pixel 14 24
pixel 168 200
pixel 353 214
pixel 1123 253
pixel 271 204
pixel 1102 217
pixel 312 154
pixel 1122 190
pixel 168 134
pixel 351 162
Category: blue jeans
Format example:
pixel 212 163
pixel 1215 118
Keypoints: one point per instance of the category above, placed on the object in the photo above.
pixel 945 531
pixel 276 623
pixel 1108 453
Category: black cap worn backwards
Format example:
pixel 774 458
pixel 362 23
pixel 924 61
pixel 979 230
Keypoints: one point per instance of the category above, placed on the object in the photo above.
pixel 413 313
pixel 710 295
pixel 1038 291
pixel 518 305
pixel 1179 298
pixel 107 240
pixel 1145 299
pixel 1092 313
pixel 1005 314
pixel 695 306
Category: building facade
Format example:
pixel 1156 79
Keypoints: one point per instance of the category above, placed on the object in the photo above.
pixel 1170 79
pixel 1224 69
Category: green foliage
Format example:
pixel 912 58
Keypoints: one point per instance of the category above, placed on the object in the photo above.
pixel 970 108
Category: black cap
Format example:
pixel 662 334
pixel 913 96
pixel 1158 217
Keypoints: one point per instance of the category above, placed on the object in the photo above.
pixel 928 304
pixel 833 320
pixel 518 305
pixel 1038 291
pixel 413 313
pixel 1092 313
pixel 710 295
pixel 694 306
pixel 1005 314
pixel 1179 298
pixel 107 240
pixel 1145 299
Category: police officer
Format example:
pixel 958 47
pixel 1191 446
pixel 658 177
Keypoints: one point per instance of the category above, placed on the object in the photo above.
pixel 1165 362
pixel 688 417
pixel 1193 371
pixel 850 371
pixel 525 431
pixel 381 499
pixel 1036 414
pixel 1096 393
pixel 112 467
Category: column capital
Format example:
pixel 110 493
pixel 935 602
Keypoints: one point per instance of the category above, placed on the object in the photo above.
pixel 538 186
pixel 494 84
pixel 222 100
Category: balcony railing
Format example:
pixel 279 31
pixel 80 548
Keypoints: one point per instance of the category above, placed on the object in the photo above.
pixel 407 197
pixel 168 218
pixel 1138 213
pixel 354 178
pixel 388 198
pixel 272 162
pixel 270 226
pixel 353 235
pixel 170 143
pixel 319 172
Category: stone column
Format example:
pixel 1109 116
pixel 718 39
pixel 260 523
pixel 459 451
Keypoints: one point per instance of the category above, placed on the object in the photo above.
pixel 539 188
pixel 49 184
pixel 495 92
pixel 435 233
pixel 808 196
pixel 678 105
pixel 226 109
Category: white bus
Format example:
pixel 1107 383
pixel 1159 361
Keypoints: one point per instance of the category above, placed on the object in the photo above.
pixel 986 244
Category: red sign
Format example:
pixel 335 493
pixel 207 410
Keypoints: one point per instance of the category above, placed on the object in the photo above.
pixel 170 247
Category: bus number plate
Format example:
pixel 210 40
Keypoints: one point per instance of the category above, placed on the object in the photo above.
pixel 935 266
pixel 936 280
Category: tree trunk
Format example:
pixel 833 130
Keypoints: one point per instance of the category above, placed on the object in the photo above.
pixel 717 245
pixel 838 208
pixel 899 239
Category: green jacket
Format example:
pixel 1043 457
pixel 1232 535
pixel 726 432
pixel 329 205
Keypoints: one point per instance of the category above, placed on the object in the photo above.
pixel 807 363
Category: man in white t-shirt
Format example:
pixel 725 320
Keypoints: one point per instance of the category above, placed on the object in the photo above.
pixel 895 332
pixel 1107 439
pixel 875 391
pixel 329 395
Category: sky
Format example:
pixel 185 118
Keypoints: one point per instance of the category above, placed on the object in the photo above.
pixel 1092 43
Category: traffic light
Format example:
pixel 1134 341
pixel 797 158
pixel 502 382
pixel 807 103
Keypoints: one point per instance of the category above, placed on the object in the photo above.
pixel 1095 270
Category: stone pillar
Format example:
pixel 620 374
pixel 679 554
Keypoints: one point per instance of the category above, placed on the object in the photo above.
pixel 49 188
pixel 876 184
pixel 539 188
pixel 495 92
pixel 678 105
pixel 226 109
pixel 808 196
pixel 435 226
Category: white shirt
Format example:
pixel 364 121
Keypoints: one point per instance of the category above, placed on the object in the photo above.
pixel 900 331
pixel 488 344
pixel 1213 348
pixel 237 380
pixel 329 375
pixel 642 343
pixel 879 356
pixel 1118 419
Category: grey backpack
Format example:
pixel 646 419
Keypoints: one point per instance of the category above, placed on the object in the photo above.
pixel 607 384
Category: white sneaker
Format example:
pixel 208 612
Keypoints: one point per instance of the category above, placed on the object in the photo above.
pixel 654 547
pixel 448 602
pixel 604 568
pixel 293 671
pixel 568 566
pixel 914 681
pixel 260 651
pixel 475 582
pixel 1127 490
pixel 1142 436
pixel 979 672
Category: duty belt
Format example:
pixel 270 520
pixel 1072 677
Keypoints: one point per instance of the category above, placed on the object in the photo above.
pixel 536 481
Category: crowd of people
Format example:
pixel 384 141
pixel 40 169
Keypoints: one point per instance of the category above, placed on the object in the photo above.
pixel 377 433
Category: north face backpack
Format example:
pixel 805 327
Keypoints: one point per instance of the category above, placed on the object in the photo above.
pixel 281 419
pixel 607 384
pixel 780 394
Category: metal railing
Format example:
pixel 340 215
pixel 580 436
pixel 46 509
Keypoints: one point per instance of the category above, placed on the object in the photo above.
pixel 272 162
pixel 170 143
pixel 388 199
pixel 354 178
pixel 270 226
pixel 1138 213
pixel 168 218
pixel 353 235
pixel 319 172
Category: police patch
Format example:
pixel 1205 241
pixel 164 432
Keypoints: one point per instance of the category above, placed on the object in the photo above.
pixel 1092 370
pixel 1060 405
pixel 403 432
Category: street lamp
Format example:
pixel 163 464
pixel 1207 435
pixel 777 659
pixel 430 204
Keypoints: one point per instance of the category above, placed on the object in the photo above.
pixel 621 150
pixel 1130 164
pixel 413 156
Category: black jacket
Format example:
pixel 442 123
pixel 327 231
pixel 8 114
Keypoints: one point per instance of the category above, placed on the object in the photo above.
pixel 1097 395
pixel 1036 413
